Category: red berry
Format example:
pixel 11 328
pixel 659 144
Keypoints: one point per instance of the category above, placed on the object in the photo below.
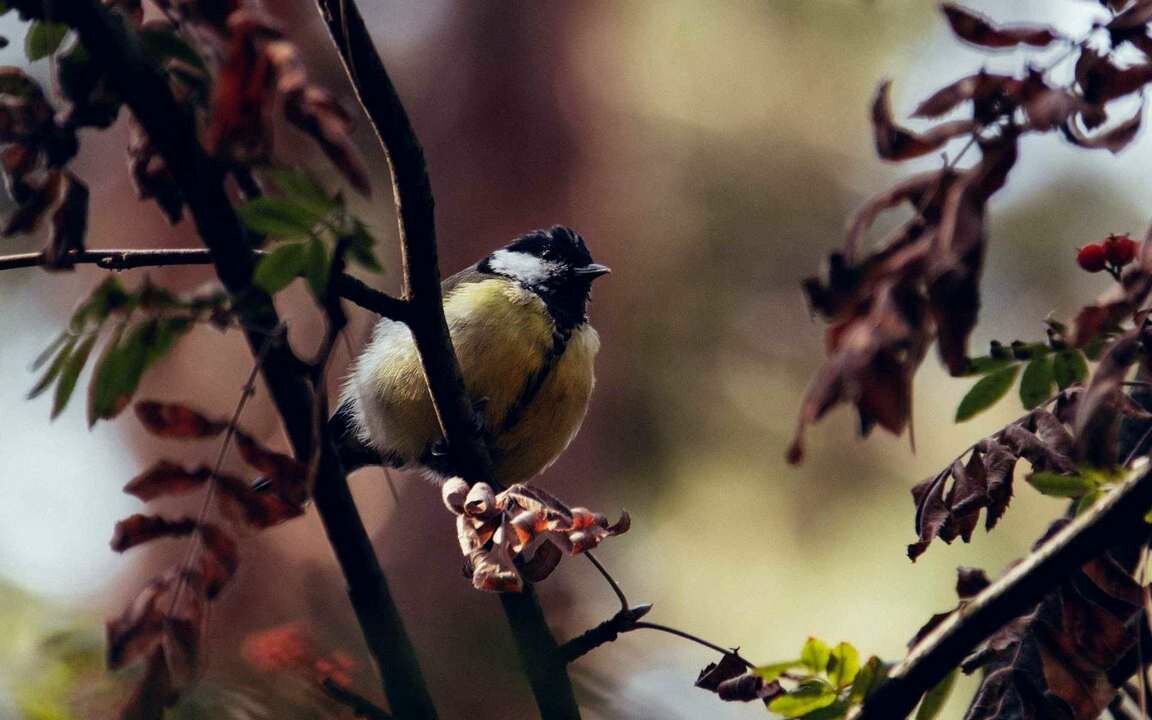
pixel 1092 257
pixel 1120 250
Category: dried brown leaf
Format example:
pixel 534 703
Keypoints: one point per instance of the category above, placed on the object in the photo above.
pixel 897 143
pixel 139 529
pixel 167 478
pixel 979 30
pixel 174 420
pixel 138 629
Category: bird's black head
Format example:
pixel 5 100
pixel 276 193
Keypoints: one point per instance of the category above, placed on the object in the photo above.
pixel 554 264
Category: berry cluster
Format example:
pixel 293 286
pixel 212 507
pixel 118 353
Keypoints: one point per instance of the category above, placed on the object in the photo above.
pixel 1111 255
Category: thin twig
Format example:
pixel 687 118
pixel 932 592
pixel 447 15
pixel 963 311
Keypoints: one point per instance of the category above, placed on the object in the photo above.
pixel 347 286
pixel 1120 515
pixel 246 393
pixel 611 580
pixel 694 638
pixel 360 706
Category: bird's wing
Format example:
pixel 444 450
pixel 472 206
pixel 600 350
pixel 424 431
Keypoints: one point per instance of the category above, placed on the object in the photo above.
pixel 467 275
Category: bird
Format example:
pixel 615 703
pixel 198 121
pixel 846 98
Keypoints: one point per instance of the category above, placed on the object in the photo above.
pixel 518 320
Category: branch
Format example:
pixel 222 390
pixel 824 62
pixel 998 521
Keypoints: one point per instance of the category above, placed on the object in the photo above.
pixel 360 706
pixel 1119 515
pixel 347 286
pixel 172 130
pixel 415 206
pixel 623 621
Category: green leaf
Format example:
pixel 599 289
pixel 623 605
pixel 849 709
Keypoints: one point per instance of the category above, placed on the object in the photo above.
pixel 775 670
pixel 43 39
pixel 106 374
pixel 318 267
pixel 108 296
pixel 1069 367
pixel 53 371
pixel 815 655
pixel 162 44
pixel 986 392
pixel 870 677
pixel 361 248
pixel 281 266
pixel 809 696
pixel 47 353
pixel 843 665
pixel 70 373
pixel 120 368
pixel 279 217
pixel 935 698
pixel 1036 382
pixel 1056 485
pixel 1086 502
pixel 302 189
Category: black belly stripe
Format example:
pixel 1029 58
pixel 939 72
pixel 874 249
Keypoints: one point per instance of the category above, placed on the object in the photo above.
pixel 534 384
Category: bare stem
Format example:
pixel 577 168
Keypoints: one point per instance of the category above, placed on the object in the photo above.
pixel 345 285
pixel 360 706
pixel 468 452
pixel 608 577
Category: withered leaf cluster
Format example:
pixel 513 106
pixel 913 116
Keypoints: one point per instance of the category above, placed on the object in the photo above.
pixel 1080 430
pixel 1065 658
pixel 36 149
pixel 920 285
pixel 262 68
pixel 520 533
pixel 163 625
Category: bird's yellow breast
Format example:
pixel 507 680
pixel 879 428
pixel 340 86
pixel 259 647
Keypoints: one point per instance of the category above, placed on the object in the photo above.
pixel 503 335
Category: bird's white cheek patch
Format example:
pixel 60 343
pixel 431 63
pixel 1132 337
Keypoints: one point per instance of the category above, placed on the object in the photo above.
pixel 524 267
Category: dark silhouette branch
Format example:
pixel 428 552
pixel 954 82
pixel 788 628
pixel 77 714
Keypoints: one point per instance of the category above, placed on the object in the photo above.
pixel 360 706
pixel 468 453
pixel 347 286
pixel 173 133
pixel 1118 516
pixel 623 621
pixel 415 206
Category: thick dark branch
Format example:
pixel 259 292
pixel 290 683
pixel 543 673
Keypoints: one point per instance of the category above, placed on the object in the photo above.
pixel 347 286
pixel 1118 516
pixel 541 658
pixel 172 130
pixel 412 190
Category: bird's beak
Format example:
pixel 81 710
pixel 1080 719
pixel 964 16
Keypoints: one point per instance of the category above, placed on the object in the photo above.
pixel 593 270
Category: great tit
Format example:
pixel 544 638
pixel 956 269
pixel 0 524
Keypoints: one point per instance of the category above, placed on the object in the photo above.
pixel 518 321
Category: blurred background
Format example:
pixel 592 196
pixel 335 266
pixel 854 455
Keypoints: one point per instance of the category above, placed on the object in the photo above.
pixel 710 154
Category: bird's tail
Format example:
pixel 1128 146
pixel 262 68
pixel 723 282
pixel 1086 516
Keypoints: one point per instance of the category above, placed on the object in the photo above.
pixel 354 453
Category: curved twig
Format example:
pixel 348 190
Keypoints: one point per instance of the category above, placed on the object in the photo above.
pixel 467 450
pixel 347 286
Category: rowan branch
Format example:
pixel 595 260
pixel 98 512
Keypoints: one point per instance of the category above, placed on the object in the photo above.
pixel 467 451
pixel 347 286
pixel 172 131
pixel 415 206
pixel 1117 517
pixel 360 706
